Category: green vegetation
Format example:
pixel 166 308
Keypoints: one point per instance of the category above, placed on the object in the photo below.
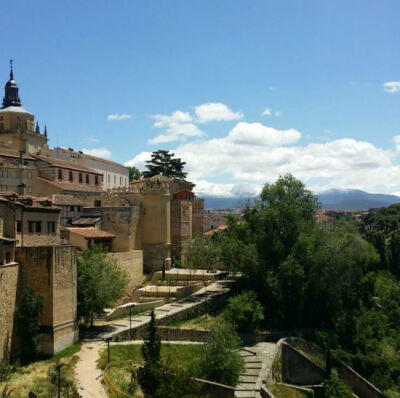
pixel 101 282
pixel 134 173
pixel 217 360
pixel 163 163
pixel 27 315
pixel 201 322
pixel 39 377
pixel 343 279
pixel 286 391
pixel 336 388
pixel 244 311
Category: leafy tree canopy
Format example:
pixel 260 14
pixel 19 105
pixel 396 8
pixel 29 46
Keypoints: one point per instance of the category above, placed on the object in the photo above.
pixel 134 173
pixel 163 163
pixel 101 282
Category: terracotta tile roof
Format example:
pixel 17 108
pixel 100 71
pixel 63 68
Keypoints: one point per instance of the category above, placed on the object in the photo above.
pixel 70 186
pixel 86 221
pixel 54 162
pixel 66 200
pixel 82 155
pixel 91 232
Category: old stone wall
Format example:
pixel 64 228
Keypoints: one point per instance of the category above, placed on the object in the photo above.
pixel 181 225
pixel 43 238
pixel 154 255
pixel 132 263
pixel 51 272
pixel 298 369
pixel 360 386
pixel 8 294
pixel 198 217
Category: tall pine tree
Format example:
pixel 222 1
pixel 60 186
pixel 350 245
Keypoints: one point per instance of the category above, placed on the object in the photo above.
pixel 163 163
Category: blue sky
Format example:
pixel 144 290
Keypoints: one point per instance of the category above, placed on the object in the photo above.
pixel 196 77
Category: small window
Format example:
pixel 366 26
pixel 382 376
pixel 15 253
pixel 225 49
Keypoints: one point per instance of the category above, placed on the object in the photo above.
pixel 29 175
pixel 78 208
pixel 31 226
pixel 38 227
pixel 71 208
pixel 97 203
pixel 60 177
pixel 87 178
pixel 80 178
pixel 120 180
pixel 115 180
pixel 18 227
pixel 96 180
pixel 28 189
pixel 51 227
pixel 71 176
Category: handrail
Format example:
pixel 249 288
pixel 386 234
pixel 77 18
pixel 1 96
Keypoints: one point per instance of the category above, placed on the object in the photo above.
pixel 112 387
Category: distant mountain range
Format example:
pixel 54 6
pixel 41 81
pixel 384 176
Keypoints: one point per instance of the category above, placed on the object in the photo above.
pixel 352 199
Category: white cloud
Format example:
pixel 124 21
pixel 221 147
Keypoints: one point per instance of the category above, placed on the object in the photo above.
pixel 251 154
pixel 391 87
pixel 93 140
pixel 177 126
pixel 139 160
pixel 278 113
pixel 119 116
pixel 104 153
pixel 267 112
pixel 215 111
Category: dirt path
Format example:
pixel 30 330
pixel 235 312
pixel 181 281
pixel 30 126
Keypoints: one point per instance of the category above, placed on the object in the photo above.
pixel 88 376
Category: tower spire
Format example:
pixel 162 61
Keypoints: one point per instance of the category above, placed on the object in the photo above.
pixel 11 97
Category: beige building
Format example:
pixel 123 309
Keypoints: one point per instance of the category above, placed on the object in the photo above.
pixel 31 256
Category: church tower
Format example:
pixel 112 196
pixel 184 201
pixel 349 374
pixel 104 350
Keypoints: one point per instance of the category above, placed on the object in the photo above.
pixel 17 125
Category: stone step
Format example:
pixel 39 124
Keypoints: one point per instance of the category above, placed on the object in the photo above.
pixel 245 394
pixel 248 379
pixel 250 372
pixel 252 366
pixel 246 387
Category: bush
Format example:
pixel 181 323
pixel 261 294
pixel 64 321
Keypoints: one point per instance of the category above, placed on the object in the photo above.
pixel 218 361
pixel 244 311
pixel 5 370
pixel 337 388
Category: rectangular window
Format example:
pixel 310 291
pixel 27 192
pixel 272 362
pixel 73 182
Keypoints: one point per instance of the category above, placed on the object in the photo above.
pixel 29 175
pixel 97 203
pixel 38 227
pixel 60 177
pixel 31 226
pixel 51 227
pixel 115 180
pixel 71 176
pixel 28 189
pixel 18 227
pixel 78 208
pixel 87 178
pixel 96 180
pixel 120 180
pixel 80 178
pixel 71 208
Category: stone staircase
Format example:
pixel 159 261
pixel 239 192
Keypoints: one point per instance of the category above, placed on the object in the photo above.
pixel 249 380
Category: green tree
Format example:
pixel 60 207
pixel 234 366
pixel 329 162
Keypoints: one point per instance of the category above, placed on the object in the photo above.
pixel 27 323
pixel 101 282
pixel 202 253
pixel 134 173
pixel 218 361
pixel 163 163
pixel 152 346
pixel 244 311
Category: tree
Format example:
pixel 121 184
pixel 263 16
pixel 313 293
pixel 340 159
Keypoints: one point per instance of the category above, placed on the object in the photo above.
pixel 101 282
pixel 163 163
pixel 336 388
pixel 27 322
pixel 134 173
pixel 152 345
pixel 244 311
pixel 218 361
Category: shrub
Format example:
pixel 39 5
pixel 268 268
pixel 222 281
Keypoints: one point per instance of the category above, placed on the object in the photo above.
pixel 337 388
pixel 218 360
pixel 244 311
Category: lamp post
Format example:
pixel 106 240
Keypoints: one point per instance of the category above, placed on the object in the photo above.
pixel 107 340
pixel 58 368
pixel 130 322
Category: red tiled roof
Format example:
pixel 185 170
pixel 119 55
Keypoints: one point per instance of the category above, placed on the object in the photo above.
pixel 70 186
pixel 91 232
pixel 54 162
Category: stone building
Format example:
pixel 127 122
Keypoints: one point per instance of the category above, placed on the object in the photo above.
pixel 31 256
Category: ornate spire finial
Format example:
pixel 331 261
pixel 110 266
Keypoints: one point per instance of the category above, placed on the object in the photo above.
pixel 37 129
pixel 11 96
pixel 11 70
pixel 45 131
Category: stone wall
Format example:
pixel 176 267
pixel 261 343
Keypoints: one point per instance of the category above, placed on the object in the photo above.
pixel 51 272
pixel 298 369
pixel 132 263
pixel 154 255
pixel 181 225
pixel 360 386
pixel 8 294
pixel 198 217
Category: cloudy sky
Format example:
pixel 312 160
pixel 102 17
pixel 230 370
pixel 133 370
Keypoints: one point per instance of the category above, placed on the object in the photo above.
pixel 242 91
